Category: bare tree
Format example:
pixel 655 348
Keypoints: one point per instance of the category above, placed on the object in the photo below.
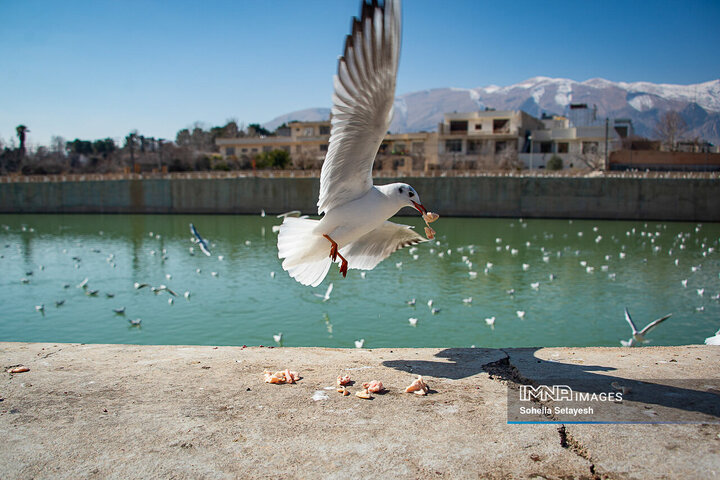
pixel 670 129
pixel 507 159
pixel 592 159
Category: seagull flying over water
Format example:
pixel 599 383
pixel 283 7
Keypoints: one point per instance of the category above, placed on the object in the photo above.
pixel 200 241
pixel 326 297
pixel 639 336
pixel 355 227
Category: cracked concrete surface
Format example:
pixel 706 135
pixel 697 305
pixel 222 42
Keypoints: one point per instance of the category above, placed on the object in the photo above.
pixel 119 411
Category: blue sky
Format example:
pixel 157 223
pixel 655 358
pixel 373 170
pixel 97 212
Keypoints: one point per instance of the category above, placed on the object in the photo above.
pixel 92 69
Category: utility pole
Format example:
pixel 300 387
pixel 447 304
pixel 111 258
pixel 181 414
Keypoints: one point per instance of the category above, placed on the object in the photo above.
pixel 607 128
pixel 531 151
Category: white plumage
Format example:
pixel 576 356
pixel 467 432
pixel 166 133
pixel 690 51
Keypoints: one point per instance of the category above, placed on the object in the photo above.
pixel 354 226
pixel 638 336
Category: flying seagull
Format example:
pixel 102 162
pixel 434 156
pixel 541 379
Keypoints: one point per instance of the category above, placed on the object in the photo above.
pixel 355 227
pixel 201 242
pixel 326 297
pixel 639 337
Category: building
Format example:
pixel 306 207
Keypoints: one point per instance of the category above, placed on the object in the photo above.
pixel 306 142
pixel 407 152
pixel 484 140
pixel 480 140
pixel 580 141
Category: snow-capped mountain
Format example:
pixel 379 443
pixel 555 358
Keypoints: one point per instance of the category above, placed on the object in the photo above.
pixel 307 115
pixel 642 102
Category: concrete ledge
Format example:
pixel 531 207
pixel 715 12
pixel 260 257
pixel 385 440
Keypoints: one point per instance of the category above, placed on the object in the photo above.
pixel 126 411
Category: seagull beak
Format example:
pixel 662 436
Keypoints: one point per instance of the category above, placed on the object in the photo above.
pixel 419 207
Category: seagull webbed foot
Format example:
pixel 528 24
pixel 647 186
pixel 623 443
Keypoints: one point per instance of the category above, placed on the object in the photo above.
pixel 344 267
pixel 334 254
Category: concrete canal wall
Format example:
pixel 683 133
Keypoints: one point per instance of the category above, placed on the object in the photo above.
pixel 688 199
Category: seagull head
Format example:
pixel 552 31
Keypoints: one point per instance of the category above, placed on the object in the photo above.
pixel 407 196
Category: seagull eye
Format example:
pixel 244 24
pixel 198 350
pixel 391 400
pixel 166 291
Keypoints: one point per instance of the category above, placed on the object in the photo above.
pixel 400 189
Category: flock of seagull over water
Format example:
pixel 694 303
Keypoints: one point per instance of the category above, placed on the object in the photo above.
pixel 467 255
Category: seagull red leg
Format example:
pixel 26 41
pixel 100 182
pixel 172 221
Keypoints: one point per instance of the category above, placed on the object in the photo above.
pixel 334 254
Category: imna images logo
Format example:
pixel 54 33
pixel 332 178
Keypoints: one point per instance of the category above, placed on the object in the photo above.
pixel 559 393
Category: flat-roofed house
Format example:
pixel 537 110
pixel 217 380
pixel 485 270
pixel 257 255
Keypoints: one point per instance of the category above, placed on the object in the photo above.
pixel 484 140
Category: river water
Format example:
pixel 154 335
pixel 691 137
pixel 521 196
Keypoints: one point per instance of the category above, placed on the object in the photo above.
pixel 572 279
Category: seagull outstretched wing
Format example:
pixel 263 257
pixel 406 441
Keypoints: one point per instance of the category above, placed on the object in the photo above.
pixel 326 297
pixel 654 324
pixel 372 248
pixel 201 242
pixel 362 103
pixel 629 320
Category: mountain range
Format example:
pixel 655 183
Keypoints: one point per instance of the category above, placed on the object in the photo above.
pixel 642 102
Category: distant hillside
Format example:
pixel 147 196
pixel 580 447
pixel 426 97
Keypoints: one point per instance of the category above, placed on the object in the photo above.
pixel 642 102
pixel 307 115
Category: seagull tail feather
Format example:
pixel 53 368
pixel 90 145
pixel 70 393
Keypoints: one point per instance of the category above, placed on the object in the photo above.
pixel 305 253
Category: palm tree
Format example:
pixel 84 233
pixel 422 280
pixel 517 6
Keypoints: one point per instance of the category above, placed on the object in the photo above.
pixel 130 140
pixel 21 131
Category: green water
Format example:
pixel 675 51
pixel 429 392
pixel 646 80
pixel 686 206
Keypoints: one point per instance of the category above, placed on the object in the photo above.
pixel 632 264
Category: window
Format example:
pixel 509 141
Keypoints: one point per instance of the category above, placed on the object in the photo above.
pixel 474 147
pixel 254 150
pixel 562 147
pixel 501 125
pixel 478 126
pixel 500 147
pixel 308 132
pixel 418 147
pixel 324 147
pixel 545 147
pixel 383 148
pixel 458 126
pixel 229 151
pixel 453 146
pixel 324 130
pixel 589 147
pixel 244 150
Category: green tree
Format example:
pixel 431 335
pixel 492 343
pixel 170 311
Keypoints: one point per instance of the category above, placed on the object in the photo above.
pixel 183 139
pixel 277 159
pixel 555 163
pixel 259 129
pixel 104 147
pixel 79 147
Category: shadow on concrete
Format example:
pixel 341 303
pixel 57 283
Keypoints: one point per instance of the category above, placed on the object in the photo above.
pixel 520 366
